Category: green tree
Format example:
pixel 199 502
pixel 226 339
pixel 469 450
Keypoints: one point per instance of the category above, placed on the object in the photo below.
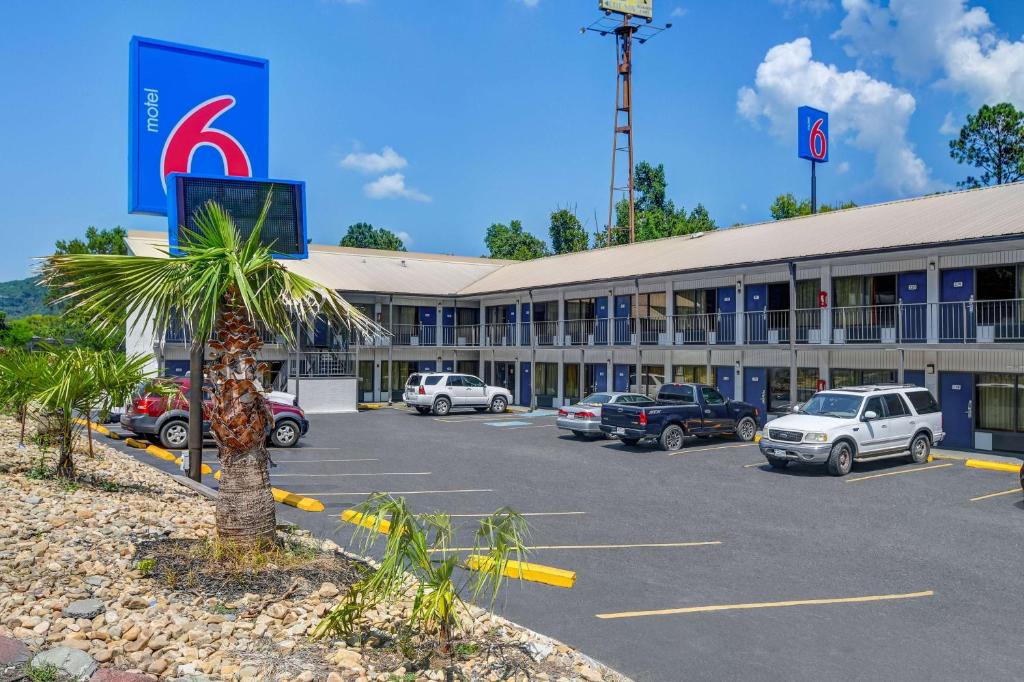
pixel 655 215
pixel 567 232
pixel 366 236
pixel 225 285
pixel 72 326
pixel 109 242
pixel 19 374
pixel 512 242
pixel 993 141
pixel 788 206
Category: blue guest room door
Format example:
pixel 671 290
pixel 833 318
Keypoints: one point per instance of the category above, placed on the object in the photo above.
pixel 956 398
pixel 755 387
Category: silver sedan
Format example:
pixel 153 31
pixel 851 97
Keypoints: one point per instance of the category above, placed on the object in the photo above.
pixel 584 418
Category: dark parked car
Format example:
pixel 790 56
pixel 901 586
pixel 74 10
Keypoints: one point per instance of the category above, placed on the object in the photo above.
pixel 681 410
pixel 165 419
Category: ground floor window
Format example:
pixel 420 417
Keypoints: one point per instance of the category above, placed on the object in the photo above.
pixel 998 400
pixel 862 377
pixel 777 399
pixel 402 369
pixel 366 379
pixel 690 374
pixel 545 379
pixel 653 377
pixel 571 382
pixel 806 383
pixel 467 367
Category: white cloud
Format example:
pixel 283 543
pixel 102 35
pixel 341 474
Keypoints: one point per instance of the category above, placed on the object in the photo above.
pixel 405 237
pixel 947 37
pixel 392 187
pixel 870 114
pixel 679 12
pixel 843 167
pixel 743 206
pixel 530 3
pixel 949 126
pixel 371 162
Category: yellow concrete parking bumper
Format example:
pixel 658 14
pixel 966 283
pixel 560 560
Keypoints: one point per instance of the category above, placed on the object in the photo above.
pixel 292 500
pixel 366 521
pixel 537 573
pixel 992 465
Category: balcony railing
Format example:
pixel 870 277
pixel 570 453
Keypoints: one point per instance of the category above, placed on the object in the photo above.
pixel 766 326
pixel 500 334
pixel 461 335
pixel 313 364
pixel 545 333
pixel 703 328
pixel 896 323
pixel 980 321
pixel 414 335
pixel 653 331
pixel 586 332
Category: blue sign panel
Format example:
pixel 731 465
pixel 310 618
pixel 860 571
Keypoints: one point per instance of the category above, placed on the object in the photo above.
pixel 812 134
pixel 193 111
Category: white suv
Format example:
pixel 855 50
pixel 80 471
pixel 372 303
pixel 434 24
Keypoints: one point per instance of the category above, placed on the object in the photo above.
pixel 439 392
pixel 856 424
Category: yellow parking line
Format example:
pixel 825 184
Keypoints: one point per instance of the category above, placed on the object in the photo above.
pixel 480 516
pixel 405 492
pixel 386 473
pixel 633 546
pixel 1005 492
pixel 897 473
pixel 685 451
pixel 765 605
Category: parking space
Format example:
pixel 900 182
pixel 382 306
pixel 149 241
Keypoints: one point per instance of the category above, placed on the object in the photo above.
pixel 705 563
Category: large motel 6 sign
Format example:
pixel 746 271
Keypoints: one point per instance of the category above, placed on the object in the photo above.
pixel 812 134
pixel 193 110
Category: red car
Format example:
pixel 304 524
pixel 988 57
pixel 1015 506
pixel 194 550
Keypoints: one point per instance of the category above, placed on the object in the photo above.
pixel 166 419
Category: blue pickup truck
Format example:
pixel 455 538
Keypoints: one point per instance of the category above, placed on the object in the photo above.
pixel 681 410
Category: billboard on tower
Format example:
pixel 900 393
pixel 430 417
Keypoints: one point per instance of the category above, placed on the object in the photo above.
pixel 812 134
pixel 193 110
pixel 634 8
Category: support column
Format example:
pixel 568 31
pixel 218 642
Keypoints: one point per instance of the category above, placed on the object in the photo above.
pixel 792 335
pixel 391 367
pixel 741 318
pixel 826 312
pixel 932 287
pixel 560 393
pixel 670 314
pixel 561 319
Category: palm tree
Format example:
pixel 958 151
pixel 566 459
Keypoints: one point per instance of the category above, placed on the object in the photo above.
pixel 222 285
pixel 19 374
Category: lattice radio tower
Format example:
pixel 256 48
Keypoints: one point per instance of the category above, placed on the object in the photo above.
pixel 625 31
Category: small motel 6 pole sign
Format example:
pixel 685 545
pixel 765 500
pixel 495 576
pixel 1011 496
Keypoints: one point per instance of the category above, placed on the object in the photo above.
pixel 812 143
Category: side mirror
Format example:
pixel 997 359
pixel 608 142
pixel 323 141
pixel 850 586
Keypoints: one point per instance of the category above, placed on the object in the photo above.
pixel 797 408
pixel 869 415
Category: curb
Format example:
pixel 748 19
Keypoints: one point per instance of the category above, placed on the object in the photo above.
pixel 291 499
pixel 992 466
pixel 537 573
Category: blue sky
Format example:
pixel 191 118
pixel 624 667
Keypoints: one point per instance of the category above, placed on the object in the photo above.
pixel 499 109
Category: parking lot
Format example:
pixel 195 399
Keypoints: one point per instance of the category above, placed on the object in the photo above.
pixel 704 564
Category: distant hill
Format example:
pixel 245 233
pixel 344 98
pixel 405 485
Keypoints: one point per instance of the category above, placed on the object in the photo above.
pixel 22 297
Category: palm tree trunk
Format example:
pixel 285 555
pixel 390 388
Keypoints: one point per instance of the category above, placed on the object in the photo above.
pixel 66 463
pixel 239 420
pixel 24 418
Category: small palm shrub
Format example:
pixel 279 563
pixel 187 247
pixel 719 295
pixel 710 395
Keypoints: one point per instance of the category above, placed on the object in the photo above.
pixel 419 558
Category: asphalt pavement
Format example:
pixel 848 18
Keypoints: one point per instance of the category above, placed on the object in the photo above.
pixel 704 564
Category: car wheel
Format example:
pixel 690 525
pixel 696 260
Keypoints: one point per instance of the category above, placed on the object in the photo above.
pixel 631 442
pixel 499 404
pixel 746 429
pixel 442 406
pixel 776 463
pixel 174 435
pixel 920 448
pixel 285 434
pixel 671 438
pixel 422 410
pixel 840 461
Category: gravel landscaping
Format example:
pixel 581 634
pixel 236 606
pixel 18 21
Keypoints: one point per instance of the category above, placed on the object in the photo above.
pixel 114 571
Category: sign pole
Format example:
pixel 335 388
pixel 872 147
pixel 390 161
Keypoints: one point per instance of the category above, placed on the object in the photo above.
pixel 195 407
pixel 814 188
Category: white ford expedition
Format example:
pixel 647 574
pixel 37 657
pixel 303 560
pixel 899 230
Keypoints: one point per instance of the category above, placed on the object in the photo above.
pixel 440 392
pixel 855 424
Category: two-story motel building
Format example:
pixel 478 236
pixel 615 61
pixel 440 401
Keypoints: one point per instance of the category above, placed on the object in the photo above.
pixel 927 291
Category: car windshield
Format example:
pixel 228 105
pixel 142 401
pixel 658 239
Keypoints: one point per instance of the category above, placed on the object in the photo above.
pixel 841 405
pixel 596 399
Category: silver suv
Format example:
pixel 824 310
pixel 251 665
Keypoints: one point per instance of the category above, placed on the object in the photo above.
pixel 439 392
pixel 855 424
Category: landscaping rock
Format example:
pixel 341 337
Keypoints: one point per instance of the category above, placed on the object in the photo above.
pixel 33 500
pixel 85 608
pixel 111 675
pixel 74 663
pixel 13 652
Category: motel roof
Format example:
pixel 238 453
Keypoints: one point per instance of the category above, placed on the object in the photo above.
pixel 935 220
